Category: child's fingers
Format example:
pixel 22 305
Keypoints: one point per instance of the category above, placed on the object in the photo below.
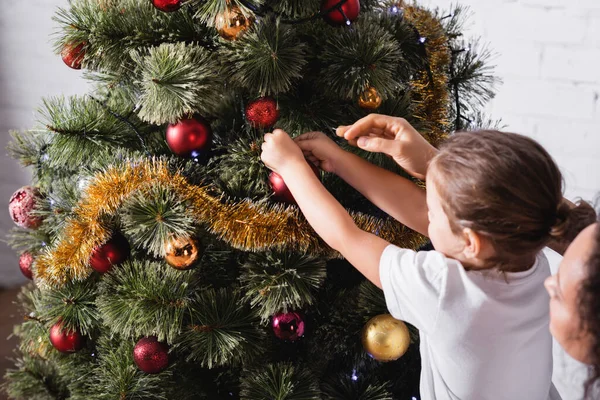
pixel 367 124
pixel 306 145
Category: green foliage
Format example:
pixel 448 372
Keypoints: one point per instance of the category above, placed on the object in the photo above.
pixel 176 80
pixel 343 387
pixel 154 214
pixel 283 381
pixel 354 59
pixel 35 379
pixel 223 330
pixel 140 298
pixel 266 60
pixel 30 240
pixel 281 282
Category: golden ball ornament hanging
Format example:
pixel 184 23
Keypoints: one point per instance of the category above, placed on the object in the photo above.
pixel 370 99
pixel 181 252
pixel 385 338
pixel 231 22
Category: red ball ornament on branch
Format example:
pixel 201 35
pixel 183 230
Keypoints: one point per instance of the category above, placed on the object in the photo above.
pixel 288 326
pixel 342 12
pixel 21 206
pixel 281 192
pixel 73 53
pixel 150 355
pixel 113 252
pixel 167 5
pixel 64 340
pixel 262 112
pixel 25 262
pixel 189 137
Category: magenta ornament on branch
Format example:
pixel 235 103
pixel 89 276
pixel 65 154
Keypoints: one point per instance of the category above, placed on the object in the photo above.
pixel 341 12
pixel 65 340
pixel 262 112
pixel 113 252
pixel 167 5
pixel 22 205
pixel 288 326
pixel 189 137
pixel 72 54
pixel 25 263
pixel 150 355
pixel 281 192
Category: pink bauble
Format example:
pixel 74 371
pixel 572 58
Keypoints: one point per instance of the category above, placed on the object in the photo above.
pixel 25 262
pixel 21 206
pixel 288 326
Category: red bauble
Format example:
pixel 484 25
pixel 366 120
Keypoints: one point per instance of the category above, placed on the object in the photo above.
pixel 351 9
pixel 280 189
pixel 21 206
pixel 150 355
pixel 72 54
pixel 25 262
pixel 262 113
pixel 189 137
pixel 113 252
pixel 288 326
pixel 167 5
pixel 64 340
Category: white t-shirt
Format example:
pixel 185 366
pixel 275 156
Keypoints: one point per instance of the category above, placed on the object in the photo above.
pixel 484 335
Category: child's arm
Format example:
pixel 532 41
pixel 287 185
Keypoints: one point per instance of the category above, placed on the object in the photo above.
pixel 327 217
pixel 397 196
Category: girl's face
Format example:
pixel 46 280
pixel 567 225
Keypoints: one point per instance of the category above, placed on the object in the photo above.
pixel 565 322
pixel 441 235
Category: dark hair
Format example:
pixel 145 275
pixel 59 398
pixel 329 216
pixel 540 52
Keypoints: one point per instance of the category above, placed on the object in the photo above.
pixel 589 311
pixel 506 187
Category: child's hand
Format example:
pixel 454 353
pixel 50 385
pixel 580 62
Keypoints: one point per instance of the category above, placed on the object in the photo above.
pixel 320 150
pixel 279 151
pixel 392 136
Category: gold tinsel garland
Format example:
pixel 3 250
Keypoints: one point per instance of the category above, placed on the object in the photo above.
pixel 244 225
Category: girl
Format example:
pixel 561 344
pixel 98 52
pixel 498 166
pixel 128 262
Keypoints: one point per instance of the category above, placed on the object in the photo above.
pixel 493 200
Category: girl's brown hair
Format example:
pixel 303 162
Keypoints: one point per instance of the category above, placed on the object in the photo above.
pixel 507 188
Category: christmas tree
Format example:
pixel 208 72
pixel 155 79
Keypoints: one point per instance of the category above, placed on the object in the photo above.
pixel 167 262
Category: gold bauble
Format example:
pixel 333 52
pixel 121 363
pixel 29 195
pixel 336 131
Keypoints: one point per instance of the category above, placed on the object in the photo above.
pixel 181 252
pixel 385 338
pixel 370 99
pixel 231 22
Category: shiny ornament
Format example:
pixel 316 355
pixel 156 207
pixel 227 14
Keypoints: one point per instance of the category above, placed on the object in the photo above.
pixel 385 338
pixel 288 326
pixel 25 262
pixel 21 206
pixel 262 113
pixel 167 5
pixel 370 99
pixel 113 252
pixel 231 22
pixel 281 192
pixel 181 252
pixel 189 137
pixel 72 54
pixel 150 355
pixel 350 8
pixel 65 341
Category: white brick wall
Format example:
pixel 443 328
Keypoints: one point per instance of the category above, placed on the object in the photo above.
pixel 549 56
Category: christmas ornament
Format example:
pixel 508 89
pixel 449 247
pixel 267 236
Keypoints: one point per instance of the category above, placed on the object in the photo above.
pixel 150 355
pixel 72 54
pixel 385 338
pixel 231 22
pixel 21 206
pixel 262 113
pixel 341 13
pixel 65 341
pixel 181 252
pixel 280 190
pixel 113 252
pixel 167 5
pixel 288 326
pixel 370 99
pixel 25 262
pixel 189 137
